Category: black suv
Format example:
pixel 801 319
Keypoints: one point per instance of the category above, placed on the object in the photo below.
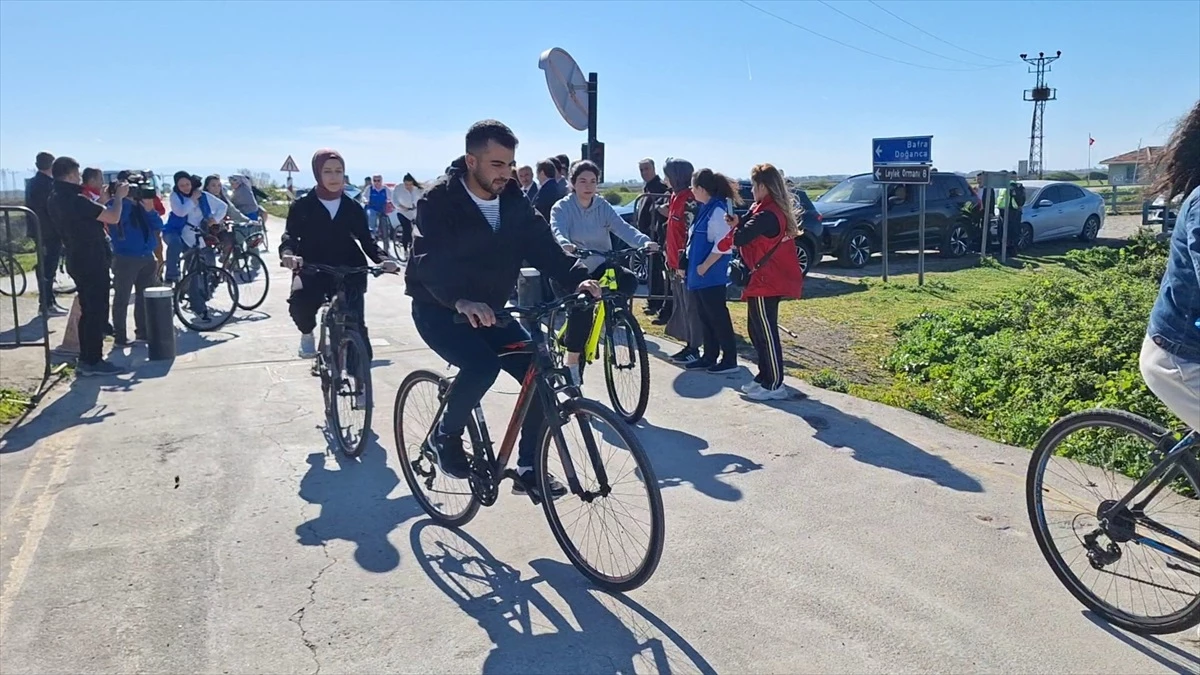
pixel 852 214
pixel 808 244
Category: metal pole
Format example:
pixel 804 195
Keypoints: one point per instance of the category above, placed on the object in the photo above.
pixel 885 232
pixel 986 207
pixel 1004 226
pixel 921 243
pixel 592 89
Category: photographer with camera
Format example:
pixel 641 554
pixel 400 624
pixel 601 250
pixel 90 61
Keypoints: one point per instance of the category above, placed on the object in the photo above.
pixel 82 222
pixel 137 251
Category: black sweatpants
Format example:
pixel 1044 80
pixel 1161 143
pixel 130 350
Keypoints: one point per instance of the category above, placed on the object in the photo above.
pixel 720 345
pixel 762 315
pixel 92 283
pixel 579 321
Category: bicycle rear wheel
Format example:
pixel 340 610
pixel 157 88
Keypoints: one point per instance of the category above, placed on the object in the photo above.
pixel 350 398
pixel 205 298
pixel 626 367
pixel 448 501
pixel 590 423
pixel 1133 585
pixel 12 276
pixel 250 273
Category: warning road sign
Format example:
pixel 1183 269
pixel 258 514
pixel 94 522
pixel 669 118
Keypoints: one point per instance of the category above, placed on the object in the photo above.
pixel 289 165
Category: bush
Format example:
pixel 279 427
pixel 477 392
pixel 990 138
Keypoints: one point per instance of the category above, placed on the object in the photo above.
pixel 614 197
pixel 828 379
pixel 1062 175
pixel 1067 342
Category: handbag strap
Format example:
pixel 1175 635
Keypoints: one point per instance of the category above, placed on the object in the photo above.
pixel 765 258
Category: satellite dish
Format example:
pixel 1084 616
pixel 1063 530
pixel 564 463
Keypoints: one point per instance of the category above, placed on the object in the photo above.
pixel 567 85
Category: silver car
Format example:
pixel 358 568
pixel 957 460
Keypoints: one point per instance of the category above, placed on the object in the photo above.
pixel 1056 210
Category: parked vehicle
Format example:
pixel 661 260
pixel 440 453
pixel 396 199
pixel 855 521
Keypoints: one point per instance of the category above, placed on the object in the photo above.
pixel 1056 210
pixel 852 215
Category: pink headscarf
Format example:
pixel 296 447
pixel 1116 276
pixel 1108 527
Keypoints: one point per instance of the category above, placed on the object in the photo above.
pixel 318 162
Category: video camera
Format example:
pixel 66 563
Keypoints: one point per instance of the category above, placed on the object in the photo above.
pixel 140 187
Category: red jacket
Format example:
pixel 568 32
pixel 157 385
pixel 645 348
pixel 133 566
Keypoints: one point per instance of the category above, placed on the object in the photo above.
pixel 679 220
pixel 780 277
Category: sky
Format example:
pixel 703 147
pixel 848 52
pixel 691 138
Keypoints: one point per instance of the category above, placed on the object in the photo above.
pixel 220 86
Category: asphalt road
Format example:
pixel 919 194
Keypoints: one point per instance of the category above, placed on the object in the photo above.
pixel 188 518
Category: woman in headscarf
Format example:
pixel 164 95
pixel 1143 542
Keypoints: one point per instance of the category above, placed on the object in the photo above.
pixel 327 227
pixel 684 324
pixel 184 205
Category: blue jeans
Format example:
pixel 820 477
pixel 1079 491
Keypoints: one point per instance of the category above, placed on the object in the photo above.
pixel 476 353
pixel 175 249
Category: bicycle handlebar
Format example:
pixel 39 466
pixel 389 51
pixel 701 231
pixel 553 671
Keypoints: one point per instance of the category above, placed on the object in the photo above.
pixel 507 315
pixel 611 256
pixel 340 272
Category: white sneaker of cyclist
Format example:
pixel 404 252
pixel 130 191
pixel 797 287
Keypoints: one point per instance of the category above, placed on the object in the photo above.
pixel 308 346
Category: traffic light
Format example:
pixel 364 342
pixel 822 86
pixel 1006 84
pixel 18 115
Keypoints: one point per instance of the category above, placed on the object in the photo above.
pixel 596 154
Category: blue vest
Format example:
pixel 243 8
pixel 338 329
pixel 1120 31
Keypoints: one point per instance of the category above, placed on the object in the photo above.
pixel 377 199
pixel 699 247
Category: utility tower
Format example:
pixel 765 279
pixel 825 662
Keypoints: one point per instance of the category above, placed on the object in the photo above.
pixel 1039 95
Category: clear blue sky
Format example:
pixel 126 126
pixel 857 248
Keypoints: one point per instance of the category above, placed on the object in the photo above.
pixel 220 86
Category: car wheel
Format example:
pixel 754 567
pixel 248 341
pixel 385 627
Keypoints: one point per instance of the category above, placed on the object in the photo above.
pixel 957 242
pixel 638 265
pixel 856 250
pixel 1024 238
pixel 806 255
pixel 1091 229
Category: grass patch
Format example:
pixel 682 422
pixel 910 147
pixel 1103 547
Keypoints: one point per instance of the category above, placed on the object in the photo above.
pixel 277 210
pixel 27 261
pixel 12 405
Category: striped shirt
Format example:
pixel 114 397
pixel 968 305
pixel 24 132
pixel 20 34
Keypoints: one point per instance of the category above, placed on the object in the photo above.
pixel 490 208
pixel 592 227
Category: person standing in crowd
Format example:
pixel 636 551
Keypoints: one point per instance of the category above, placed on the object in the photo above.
pixel 684 321
pixel 525 179
pixel 549 192
pixel 405 198
pixel 650 220
pixel 93 183
pixel 82 223
pixel 137 250
pixel 327 227
pixel 766 239
pixel 564 167
pixel 1170 358
pixel 580 220
pixel 708 269
pixel 37 194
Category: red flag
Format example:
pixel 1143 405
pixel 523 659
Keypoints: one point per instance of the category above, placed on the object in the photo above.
pixel 1091 141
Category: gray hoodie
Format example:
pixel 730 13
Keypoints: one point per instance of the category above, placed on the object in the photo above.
pixel 591 227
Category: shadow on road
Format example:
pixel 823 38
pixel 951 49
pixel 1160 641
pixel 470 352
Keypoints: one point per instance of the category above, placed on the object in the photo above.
pixel 869 443
pixel 355 506
pixel 679 459
pixel 76 407
pixel 1167 655
pixel 529 633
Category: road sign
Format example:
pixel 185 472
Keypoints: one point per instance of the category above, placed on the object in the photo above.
pixel 289 165
pixel 910 174
pixel 997 180
pixel 903 150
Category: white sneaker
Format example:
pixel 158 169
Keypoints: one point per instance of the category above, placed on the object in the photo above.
pixel 308 346
pixel 764 394
pixel 750 387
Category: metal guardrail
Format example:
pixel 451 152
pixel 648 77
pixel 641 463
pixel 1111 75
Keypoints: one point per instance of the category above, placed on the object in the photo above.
pixel 18 342
pixel 655 262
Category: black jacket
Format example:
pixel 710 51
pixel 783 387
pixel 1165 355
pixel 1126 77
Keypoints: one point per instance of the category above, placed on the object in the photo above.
pixel 315 237
pixel 458 257
pixel 649 221
pixel 546 197
pixel 37 195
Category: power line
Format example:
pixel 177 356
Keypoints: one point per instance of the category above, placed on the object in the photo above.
pixel 909 44
pixel 912 25
pixel 850 46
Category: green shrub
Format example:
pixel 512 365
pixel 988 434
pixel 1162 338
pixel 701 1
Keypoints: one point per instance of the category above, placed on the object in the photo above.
pixel 1067 342
pixel 828 379
pixel 614 197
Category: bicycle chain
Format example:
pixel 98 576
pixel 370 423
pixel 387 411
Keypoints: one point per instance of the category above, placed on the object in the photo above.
pixel 483 481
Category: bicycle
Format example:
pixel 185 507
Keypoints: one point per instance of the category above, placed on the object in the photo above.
pixel 616 325
pixel 1118 537
pixel 240 256
pixel 344 361
pixel 197 287
pixel 563 404
pixel 12 275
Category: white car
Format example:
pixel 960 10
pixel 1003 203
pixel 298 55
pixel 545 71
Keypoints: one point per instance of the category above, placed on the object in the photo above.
pixel 1056 210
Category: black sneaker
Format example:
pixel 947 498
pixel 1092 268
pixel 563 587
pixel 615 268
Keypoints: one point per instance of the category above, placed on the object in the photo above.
pixel 724 367
pixel 528 485
pixel 98 369
pixel 681 354
pixel 448 454
pixel 700 364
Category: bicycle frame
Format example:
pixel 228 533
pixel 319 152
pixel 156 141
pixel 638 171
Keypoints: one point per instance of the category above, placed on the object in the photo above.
pixel 591 348
pixel 1165 469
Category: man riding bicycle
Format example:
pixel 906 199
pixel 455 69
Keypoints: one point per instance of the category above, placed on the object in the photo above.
pixel 378 199
pixel 581 221
pixel 474 229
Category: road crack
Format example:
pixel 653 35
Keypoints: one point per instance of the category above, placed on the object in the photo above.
pixel 297 617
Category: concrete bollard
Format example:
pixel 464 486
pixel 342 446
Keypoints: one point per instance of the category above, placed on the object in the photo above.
pixel 529 293
pixel 160 323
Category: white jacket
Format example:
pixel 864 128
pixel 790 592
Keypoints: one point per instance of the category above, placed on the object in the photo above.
pixel 406 200
pixel 195 216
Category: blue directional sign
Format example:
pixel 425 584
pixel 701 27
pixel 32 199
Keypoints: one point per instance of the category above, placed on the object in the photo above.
pixel 903 150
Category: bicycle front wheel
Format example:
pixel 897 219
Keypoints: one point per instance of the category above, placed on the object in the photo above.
pixel 350 396
pixel 1114 564
pixel 626 367
pixel 609 492
pixel 253 281
pixel 205 298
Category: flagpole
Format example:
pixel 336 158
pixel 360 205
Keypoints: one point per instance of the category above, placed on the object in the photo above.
pixel 1089 166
